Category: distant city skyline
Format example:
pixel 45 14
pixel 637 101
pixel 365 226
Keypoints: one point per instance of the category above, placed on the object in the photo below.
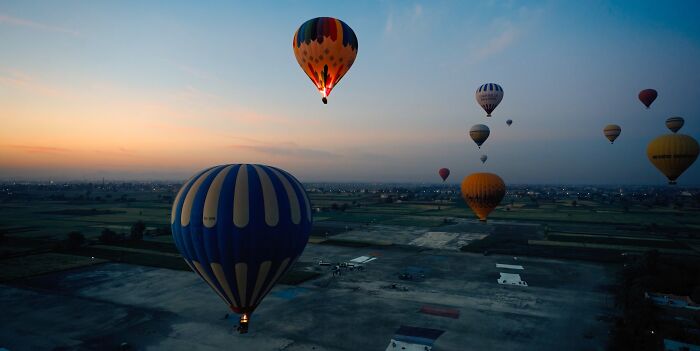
pixel 160 90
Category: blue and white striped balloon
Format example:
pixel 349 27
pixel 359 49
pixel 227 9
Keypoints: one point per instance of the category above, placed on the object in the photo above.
pixel 488 96
pixel 240 227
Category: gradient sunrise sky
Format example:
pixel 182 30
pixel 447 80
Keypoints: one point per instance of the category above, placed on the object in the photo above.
pixel 161 89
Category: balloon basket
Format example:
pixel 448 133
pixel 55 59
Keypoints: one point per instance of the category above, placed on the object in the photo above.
pixel 243 324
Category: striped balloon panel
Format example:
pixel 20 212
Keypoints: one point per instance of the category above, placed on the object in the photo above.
pixel 672 154
pixel 612 131
pixel 325 48
pixel 488 96
pixel 240 227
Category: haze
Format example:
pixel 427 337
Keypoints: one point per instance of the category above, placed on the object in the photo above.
pixel 159 90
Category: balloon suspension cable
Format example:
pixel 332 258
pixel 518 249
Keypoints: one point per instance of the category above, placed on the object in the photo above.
pixel 671 182
pixel 243 324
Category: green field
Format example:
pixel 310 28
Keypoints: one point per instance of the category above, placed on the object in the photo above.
pixel 34 228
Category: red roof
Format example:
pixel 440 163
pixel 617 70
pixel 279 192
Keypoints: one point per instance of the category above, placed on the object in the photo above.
pixel 440 311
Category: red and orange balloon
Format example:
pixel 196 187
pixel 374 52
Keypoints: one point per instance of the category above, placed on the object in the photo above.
pixel 325 49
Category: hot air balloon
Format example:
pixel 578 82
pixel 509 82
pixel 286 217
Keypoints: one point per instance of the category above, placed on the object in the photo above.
pixel 675 123
pixel 488 96
pixel 672 154
pixel 483 158
pixel 483 192
pixel 325 49
pixel 479 133
pixel 509 122
pixel 444 173
pixel 612 131
pixel 240 227
pixel 647 96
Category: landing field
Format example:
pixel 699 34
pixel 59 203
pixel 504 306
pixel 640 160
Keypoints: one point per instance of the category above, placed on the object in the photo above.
pixel 99 307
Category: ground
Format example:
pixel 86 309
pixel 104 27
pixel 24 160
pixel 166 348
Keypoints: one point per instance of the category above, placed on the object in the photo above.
pixel 102 294
pixel 101 306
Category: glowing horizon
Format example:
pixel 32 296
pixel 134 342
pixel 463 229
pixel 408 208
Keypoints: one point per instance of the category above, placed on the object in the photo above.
pixel 162 90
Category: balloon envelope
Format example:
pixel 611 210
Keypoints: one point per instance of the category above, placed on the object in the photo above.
pixel 675 123
pixel 483 158
pixel 612 131
pixel 509 122
pixel 444 173
pixel 240 227
pixel 672 154
pixel 647 96
pixel 325 48
pixel 488 96
pixel 483 192
pixel 479 133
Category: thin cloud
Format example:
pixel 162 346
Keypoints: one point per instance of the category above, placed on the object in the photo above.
pixel 407 17
pixel 38 149
pixel 509 31
pixel 283 149
pixel 389 26
pixel 497 44
pixel 20 22
pixel 24 81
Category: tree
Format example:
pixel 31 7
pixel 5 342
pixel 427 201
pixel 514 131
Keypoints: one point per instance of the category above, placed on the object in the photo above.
pixel 137 230
pixel 109 236
pixel 695 295
pixel 165 230
pixel 74 240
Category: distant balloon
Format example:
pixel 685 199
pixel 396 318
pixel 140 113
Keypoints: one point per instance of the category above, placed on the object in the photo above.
pixel 479 133
pixel 647 96
pixel 325 49
pixel 483 158
pixel 483 192
pixel 488 96
pixel 675 123
pixel 444 173
pixel 612 131
pixel 672 154
pixel 509 122
pixel 240 227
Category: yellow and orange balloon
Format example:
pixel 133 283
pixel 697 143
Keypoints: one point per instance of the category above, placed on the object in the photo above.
pixel 483 192
pixel 672 154
pixel 325 48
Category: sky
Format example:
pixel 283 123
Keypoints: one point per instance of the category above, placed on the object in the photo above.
pixel 145 90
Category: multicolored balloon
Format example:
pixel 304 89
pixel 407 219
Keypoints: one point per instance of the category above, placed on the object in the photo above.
pixel 672 154
pixel 612 131
pixel 479 133
pixel 483 158
pixel 444 173
pixel 483 192
pixel 675 123
pixel 647 96
pixel 240 227
pixel 509 122
pixel 325 49
pixel 488 96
